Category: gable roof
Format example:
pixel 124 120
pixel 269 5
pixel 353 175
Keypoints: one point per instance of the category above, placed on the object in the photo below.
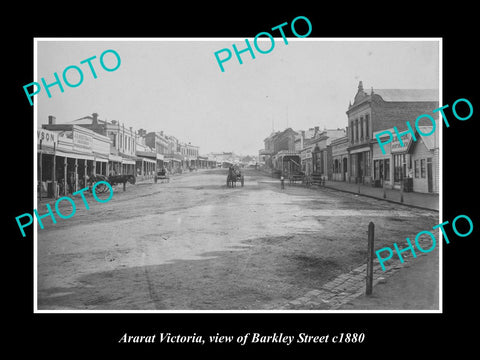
pixel 429 141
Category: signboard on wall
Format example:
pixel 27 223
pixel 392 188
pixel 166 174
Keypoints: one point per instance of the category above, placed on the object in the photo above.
pixel 82 141
pixel 47 138
pixel 396 147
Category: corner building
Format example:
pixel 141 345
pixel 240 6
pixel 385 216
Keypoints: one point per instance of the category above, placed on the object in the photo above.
pixel 375 111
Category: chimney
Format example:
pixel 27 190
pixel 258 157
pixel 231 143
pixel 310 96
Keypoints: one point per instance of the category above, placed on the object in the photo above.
pixel 114 122
pixel 95 119
pixel 51 120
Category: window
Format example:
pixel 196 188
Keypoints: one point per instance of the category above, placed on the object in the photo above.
pixel 361 128
pixel 366 127
pixel 120 141
pixel 376 169
pixel 352 129
pixel 368 170
pixel 356 130
pixel 416 171
pixel 398 167
pixel 422 168
pixel 387 169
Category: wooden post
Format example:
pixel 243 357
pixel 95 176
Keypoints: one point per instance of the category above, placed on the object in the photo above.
pixel 65 174
pixel 40 170
pixel 54 185
pixel 371 228
pixel 124 185
pixel 85 173
pixel 401 190
pixel 76 175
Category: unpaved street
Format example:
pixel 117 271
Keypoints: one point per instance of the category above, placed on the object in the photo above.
pixel 195 244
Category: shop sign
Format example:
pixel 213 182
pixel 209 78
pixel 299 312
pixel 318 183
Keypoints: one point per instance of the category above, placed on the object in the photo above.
pixel 82 141
pixel 47 137
pixel 397 147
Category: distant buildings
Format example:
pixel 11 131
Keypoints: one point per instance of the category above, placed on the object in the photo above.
pixel 353 154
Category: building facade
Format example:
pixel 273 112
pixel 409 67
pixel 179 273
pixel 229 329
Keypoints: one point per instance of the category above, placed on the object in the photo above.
pixel 340 158
pixel 67 155
pixel 122 155
pixel 376 111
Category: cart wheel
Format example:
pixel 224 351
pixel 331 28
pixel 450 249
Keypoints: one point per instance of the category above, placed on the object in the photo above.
pixel 101 188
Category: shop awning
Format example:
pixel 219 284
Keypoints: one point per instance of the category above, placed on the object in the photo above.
pixel 174 157
pixel 116 158
pixel 73 155
pixel 128 161
pixel 359 150
pixel 146 160
pixel 45 150
pixel 100 157
pixel 146 154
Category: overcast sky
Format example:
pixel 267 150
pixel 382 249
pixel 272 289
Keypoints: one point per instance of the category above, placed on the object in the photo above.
pixel 177 86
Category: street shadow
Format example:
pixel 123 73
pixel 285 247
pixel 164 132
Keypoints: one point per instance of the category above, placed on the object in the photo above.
pixel 240 278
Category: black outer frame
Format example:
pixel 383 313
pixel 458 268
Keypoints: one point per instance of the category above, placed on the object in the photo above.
pixel 86 332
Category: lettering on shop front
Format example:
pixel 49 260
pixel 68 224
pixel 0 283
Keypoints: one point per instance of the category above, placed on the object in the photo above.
pixel 432 128
pixel 82 140
pixel 47 137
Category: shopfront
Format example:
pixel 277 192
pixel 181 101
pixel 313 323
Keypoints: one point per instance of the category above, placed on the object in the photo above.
pixel 402 163
pixel 145 165
pixel 287 162
pixel 360 165
pixel 114 165
pixel 382 165
pixel 306 160
pixel 340 159
pixel 425 165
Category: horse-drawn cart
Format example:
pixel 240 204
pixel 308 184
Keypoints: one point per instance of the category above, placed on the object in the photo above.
pixel 234 176
pixel 162 175
pixel 297 177
pixel 112 180
pixel 315 179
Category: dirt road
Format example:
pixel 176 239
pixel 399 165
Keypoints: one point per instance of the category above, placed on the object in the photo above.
pixel 195 244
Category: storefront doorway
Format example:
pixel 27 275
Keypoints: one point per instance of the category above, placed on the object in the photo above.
pixel 429 175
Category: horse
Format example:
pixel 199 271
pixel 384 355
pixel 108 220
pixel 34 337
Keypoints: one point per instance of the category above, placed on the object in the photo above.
pixel 121 179
pixel 112 180
pixel 233 176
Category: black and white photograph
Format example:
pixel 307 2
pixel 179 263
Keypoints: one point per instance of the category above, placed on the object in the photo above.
pixel 223 180
pixel 181 180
